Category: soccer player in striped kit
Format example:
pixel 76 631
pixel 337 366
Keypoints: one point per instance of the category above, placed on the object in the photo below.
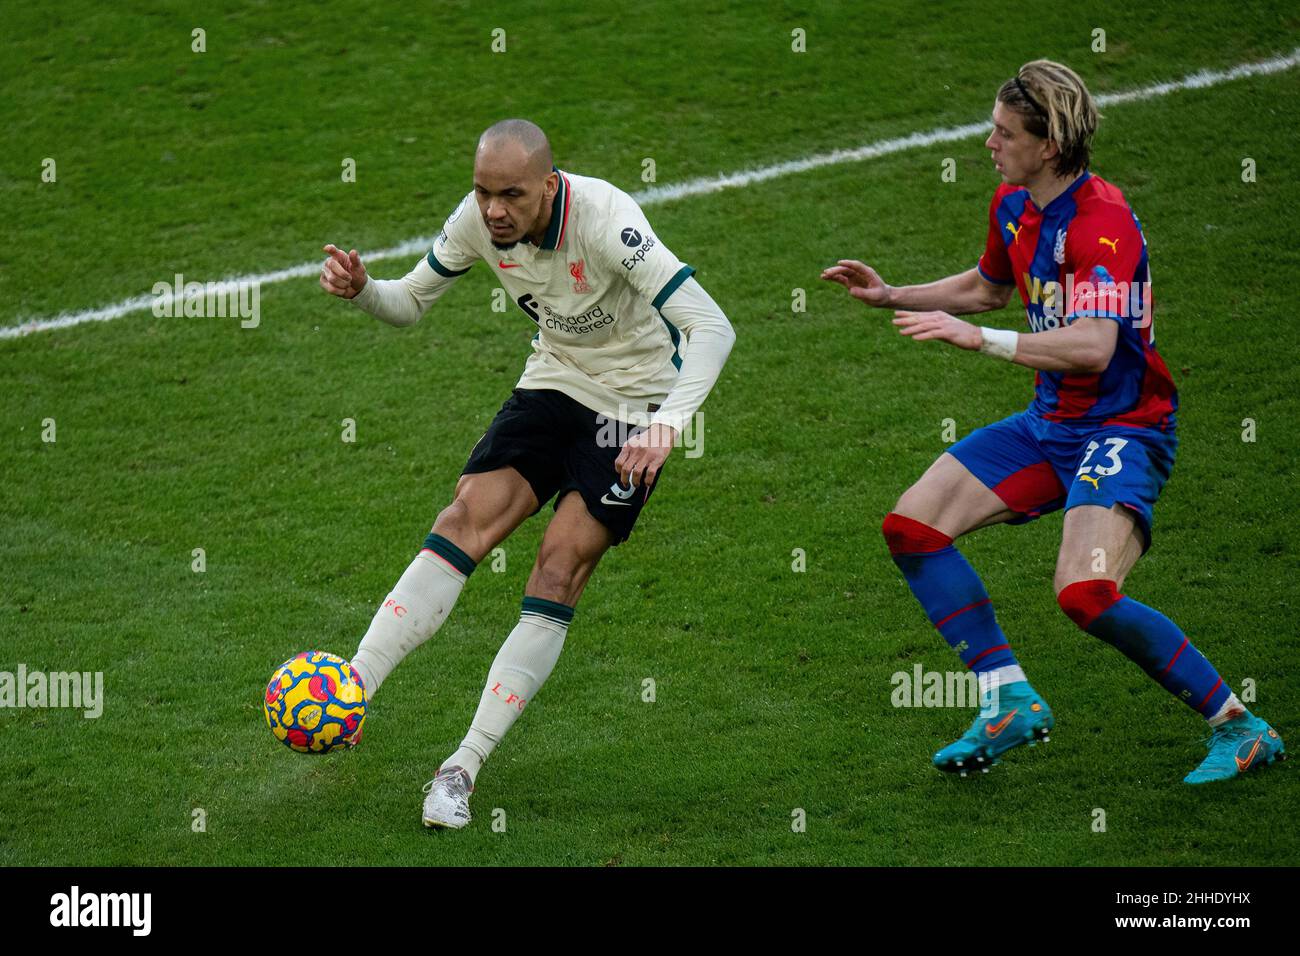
pixel 628 346
pixel 1097 440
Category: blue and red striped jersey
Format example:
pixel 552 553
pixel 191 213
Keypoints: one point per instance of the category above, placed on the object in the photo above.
pixel 1084 256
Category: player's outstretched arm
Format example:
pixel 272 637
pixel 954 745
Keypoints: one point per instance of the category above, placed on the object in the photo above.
pixel 1084 346
pixel 398 302
pixel 965 293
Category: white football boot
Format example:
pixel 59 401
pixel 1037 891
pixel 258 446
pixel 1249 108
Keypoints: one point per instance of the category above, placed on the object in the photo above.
pixel 447 803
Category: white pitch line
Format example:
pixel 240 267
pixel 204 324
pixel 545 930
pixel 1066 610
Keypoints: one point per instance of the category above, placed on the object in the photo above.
pixel 691 187
pixel 700 187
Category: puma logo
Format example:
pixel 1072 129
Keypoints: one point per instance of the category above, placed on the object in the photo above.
pixel 1096 482
pixel 1014 230
pixel 1113 243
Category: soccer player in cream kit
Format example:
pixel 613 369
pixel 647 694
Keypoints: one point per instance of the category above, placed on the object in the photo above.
pixel 1097 440
pixel 626 337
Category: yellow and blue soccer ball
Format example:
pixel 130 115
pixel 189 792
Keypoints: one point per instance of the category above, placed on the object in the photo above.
pixel 315 703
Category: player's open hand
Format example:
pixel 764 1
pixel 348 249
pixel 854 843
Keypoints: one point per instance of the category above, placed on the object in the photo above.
pixel 342 274
pixel 644 454
pixel 862 281
pixel 939 325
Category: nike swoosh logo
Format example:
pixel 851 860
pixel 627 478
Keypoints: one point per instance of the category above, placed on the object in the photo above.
pixel 607 500
pixel 994 729
pixel 1242 765
pixel 508 265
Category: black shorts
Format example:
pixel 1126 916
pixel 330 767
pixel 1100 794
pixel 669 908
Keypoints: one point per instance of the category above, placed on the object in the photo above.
pixel 560 445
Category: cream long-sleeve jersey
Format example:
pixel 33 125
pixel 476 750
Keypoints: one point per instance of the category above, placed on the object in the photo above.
pixel 622 326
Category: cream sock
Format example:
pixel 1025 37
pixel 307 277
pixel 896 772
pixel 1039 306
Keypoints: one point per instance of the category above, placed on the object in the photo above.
pixel 416 608
pixel 521 667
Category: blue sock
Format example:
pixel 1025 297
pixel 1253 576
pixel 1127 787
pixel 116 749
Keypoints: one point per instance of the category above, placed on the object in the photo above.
pixel 1150 640
pixel 950 591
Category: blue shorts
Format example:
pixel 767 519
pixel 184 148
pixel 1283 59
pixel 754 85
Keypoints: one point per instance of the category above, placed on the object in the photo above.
pixel 1037 466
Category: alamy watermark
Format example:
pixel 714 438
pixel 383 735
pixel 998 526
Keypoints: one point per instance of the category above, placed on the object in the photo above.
pixel 75 689
pixel 130 910
pixel 922 688
pixel 1104 296
pixel 241 299
pixel 614 431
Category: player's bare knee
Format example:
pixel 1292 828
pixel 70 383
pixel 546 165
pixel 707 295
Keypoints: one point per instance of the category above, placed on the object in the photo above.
pixel 914 503
pixel 455 523
pixel 454 517
pixel 555 578
pixel 1120 575
pixel 1063 579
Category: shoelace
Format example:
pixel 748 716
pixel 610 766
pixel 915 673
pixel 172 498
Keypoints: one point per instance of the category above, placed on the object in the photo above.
pixel 1223 732
pixel 450 777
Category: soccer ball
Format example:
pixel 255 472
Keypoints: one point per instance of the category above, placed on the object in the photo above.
pixel 315 703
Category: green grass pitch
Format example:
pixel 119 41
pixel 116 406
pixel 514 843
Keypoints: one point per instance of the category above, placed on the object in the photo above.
pixel 772 686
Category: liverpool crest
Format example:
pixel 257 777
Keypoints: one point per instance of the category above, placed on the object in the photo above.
pixel 577 270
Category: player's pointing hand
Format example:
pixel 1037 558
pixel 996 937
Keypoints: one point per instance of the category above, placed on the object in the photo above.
pixel 862 281
pixel 342 274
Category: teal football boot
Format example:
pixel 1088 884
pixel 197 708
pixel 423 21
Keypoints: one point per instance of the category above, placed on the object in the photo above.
pixel 1022 718
pixel 1238 745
